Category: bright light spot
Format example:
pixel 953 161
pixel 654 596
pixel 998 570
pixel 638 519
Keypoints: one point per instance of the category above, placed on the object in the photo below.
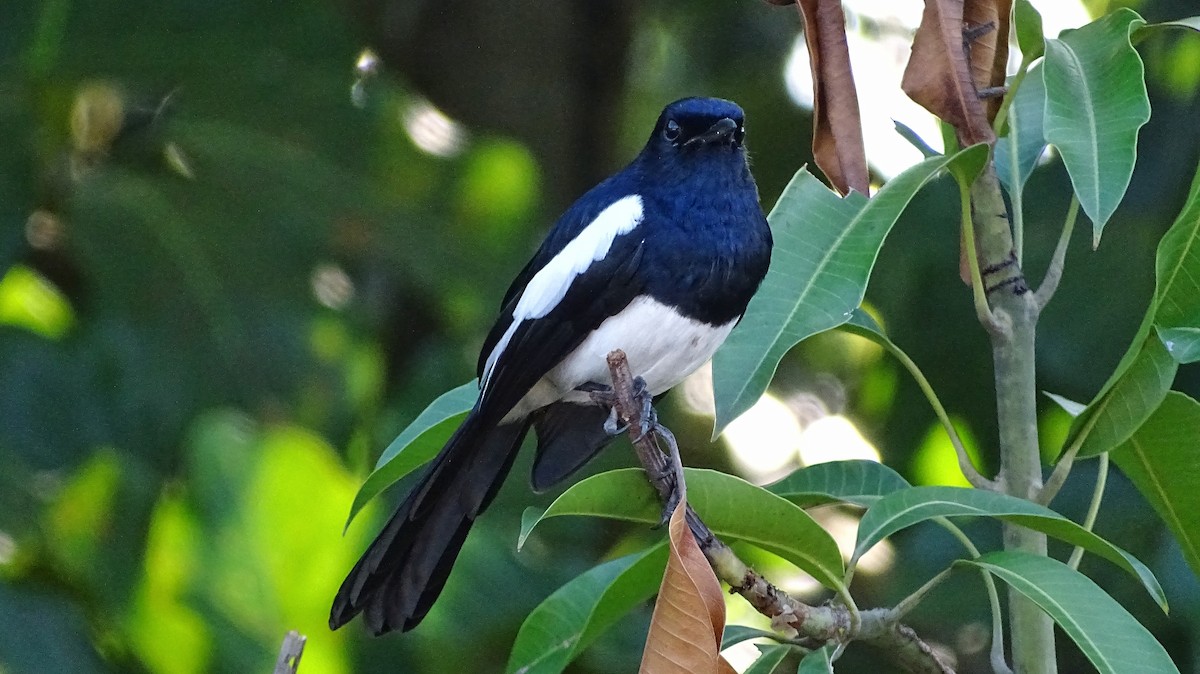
pixel 696 392
pixel 879 36
pixel 834 438
pixel 764 439
pixel 844 529
pixel 432 131
pixel 44 231
pixel 365 69
pixel 332 286
pixel 8 548
pixel 972 638
pixel 741 655
pixel 29 300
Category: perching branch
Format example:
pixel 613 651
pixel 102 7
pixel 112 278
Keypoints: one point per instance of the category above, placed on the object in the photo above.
pixel 290 652
pixel 817 625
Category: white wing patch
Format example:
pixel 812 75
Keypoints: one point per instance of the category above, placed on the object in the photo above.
pixel 550 284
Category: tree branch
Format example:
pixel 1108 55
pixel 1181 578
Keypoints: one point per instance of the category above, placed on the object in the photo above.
pixel 815 624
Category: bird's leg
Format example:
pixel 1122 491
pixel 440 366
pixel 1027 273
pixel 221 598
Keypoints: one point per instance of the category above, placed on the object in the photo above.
pixel 669 470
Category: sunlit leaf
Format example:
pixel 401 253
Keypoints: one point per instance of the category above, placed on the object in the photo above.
pixel 1114 641
pixel 1182 343
pixel 1130 401
pixel 567 622
pixel 905 508
pixel 722 501
pixel 858 482
pixel 825 247
pixel 418 443
pixel 1018 151
pixel 1096 102
pixel 1162 458
pixel 1030 35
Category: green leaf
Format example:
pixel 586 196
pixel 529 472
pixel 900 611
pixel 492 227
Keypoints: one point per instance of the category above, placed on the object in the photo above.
pixel 861 483
pixel 1177 266
pixel 722 501
pixel 1031 38
pixel 1069 406
pixel 819 661
pixel 1192 22
pixel 905 508
pixel 571 618
pixel 1132 398
pixel 1096 102
pixel 915 139
pixel 1182 343
pixel 736 634
pixel 768 659
pixel 825 247
pixel 1018 152
pixel 1114 641
pixel 1163 459
pixel 418 443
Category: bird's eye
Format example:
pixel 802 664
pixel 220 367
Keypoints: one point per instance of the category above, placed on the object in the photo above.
pixel 671 131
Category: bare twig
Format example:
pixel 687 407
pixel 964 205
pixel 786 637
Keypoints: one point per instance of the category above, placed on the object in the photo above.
pixel 809 624
pixel 290 652
pixel 1054 271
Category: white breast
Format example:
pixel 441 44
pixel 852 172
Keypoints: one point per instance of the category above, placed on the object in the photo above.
pixel 662 345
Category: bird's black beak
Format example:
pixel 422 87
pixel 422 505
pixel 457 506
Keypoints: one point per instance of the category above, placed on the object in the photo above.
pixel 717 133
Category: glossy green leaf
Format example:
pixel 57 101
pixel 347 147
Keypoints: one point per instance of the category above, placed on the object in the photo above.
pixel 1177 266
pixel 1096 102
pixel 861 483
pixel 1182 343
pixel 1017 153
pixel 908 507
pixel 418 443
pixel 1192 22
pixel 1027 23
pixel 1163 459
pixel 1114 641
pixel 1069 406
pixel 722 501
pixel 736 634
pixel 1130 400
pixel 768 659
pixel 906 132
pixel 571 618
pixel 825 247
pixel 819 661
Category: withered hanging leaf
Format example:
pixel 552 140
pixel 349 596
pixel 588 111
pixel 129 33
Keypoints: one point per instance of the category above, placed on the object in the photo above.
pixel 689 615
pixel 837 133
pixel 938 76
pixel 988 52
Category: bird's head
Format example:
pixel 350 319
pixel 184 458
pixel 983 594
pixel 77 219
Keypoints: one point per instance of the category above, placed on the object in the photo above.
pixel 698 126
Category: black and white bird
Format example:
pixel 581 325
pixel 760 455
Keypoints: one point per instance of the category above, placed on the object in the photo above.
pixel 658 260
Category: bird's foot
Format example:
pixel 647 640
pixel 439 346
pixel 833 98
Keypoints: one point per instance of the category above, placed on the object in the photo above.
pixel 670 472
pixel 604 396
pixel 649 418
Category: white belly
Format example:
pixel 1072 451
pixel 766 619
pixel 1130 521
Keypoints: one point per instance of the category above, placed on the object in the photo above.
pixel 663 348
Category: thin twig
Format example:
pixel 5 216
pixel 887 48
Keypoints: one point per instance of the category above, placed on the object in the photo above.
pixel 289 653
pixel 1056 480
pixel 1093 508
pixel 974 477
pixel 999 664
pixel 1054 272
pixel 818 625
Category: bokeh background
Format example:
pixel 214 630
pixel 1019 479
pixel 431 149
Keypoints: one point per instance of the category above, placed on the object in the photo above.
pixel 233 267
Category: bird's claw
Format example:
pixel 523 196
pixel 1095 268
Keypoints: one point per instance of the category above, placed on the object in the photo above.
pixel 613 425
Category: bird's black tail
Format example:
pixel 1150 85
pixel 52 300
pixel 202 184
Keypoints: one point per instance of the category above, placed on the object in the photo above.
pixel 403 572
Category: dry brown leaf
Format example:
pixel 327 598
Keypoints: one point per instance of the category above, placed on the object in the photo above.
pixel 938 76
pixel 989 52
pixel 837 133
pixel 689 616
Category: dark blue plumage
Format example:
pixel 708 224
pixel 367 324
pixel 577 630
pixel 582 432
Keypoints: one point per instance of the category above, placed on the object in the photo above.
pixel 659 260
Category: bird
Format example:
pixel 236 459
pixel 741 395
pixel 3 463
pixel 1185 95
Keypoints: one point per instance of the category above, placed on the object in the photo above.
pixel 659 260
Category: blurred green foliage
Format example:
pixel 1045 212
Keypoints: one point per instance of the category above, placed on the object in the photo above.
pixel 215 319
